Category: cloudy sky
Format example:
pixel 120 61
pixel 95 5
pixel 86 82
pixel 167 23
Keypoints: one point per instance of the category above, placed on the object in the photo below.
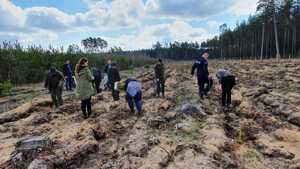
pixel 130 24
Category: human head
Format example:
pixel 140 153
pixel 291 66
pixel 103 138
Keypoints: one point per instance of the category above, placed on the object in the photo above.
pixel 160 60
pixel 205 55
pixel 52 69
pixel 83 62
pixel 109 61
pixel 67 61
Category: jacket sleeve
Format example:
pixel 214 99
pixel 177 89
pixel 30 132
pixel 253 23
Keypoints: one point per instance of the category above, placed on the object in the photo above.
pixel 193 68
pixel 90 76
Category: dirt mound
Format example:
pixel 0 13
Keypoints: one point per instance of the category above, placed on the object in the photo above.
pixel 176 132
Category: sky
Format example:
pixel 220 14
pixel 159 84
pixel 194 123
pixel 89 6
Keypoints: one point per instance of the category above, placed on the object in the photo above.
pixel 129 24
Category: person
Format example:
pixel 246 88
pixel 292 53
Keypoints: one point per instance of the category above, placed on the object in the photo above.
pixel 106 70
pixel 54 83
pixel 159 70
pixel 113 79
pixel 68 73
pixel 201 65
pixel 134 95
pixel 227 82
pixel 85 86
pixel 108 66
pixel 98 77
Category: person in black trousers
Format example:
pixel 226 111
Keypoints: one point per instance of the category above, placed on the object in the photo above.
pixel 227 81
pixel 113 77
pixel 98 77
pixel 201 65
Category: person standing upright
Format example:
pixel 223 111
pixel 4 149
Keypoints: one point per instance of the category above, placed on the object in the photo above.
pixel 54 83
pixel 201 64
pixel 113 78
pixel 98 77
pixel 106 70
pixel 85 86
pixel 68 73
pixel 159 70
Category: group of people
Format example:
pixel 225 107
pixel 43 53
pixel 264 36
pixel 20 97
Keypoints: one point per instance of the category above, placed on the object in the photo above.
pixel 87 83
pixel 205 81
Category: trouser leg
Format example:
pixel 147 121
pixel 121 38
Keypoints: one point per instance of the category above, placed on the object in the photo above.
pixel 228 102
pixel 157 88
pixel 130 103
pixel 115 94
pixel 138 102
pixel 97 85
pixel 53 97
pixel 83 108
pixel 163 88
pixel 224 95
pixel 59 96
pixel 89 106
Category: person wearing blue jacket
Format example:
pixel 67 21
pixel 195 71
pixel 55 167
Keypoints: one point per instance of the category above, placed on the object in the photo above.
pixel 134 95
pixel 201 64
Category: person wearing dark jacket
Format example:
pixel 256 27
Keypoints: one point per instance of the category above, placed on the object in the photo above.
pixel 68 73
pixel 201 65
pixel 113 78
pixel 159 70
pixel 98 77
pixel 54 83
pixel 134 95
pixel 106 70
pixel 227 81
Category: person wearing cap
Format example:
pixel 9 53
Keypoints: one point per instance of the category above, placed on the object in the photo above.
pixel 227 82
pixel 54 83
pixel 159 70
pixel 201 64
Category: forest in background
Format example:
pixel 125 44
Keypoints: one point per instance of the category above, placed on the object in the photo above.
pixel 273 32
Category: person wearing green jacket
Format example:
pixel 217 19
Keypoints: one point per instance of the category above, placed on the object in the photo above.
pixel 85 87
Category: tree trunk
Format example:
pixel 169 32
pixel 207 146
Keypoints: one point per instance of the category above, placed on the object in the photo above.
pixel 276 36
pixel 262 42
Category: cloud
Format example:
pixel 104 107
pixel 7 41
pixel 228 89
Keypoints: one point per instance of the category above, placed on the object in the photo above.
pixel 144 38
pixel 11 17
pixel 129 18
pixel 244 7
pixel 48 18
pixel 187 8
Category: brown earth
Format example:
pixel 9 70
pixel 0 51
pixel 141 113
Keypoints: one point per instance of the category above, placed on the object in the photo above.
pixel 180 131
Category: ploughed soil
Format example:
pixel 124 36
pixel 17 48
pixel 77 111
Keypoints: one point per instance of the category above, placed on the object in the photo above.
pixel 180 131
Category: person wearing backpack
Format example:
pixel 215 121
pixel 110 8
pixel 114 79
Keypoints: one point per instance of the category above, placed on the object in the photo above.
pixel 159 70
pixel 227 82
pixel 98 77
pixel 85 86
pixel 54 83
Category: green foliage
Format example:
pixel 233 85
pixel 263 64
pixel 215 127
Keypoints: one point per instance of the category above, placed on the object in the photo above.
pixel 5 87
pixel 23 66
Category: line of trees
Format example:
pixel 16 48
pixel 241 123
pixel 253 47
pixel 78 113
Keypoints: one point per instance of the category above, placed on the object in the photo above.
pixel 21 65
pixel 273 32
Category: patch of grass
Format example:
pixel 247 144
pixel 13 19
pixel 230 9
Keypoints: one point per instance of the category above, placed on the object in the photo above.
pixel 251 154
pixel 5 88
